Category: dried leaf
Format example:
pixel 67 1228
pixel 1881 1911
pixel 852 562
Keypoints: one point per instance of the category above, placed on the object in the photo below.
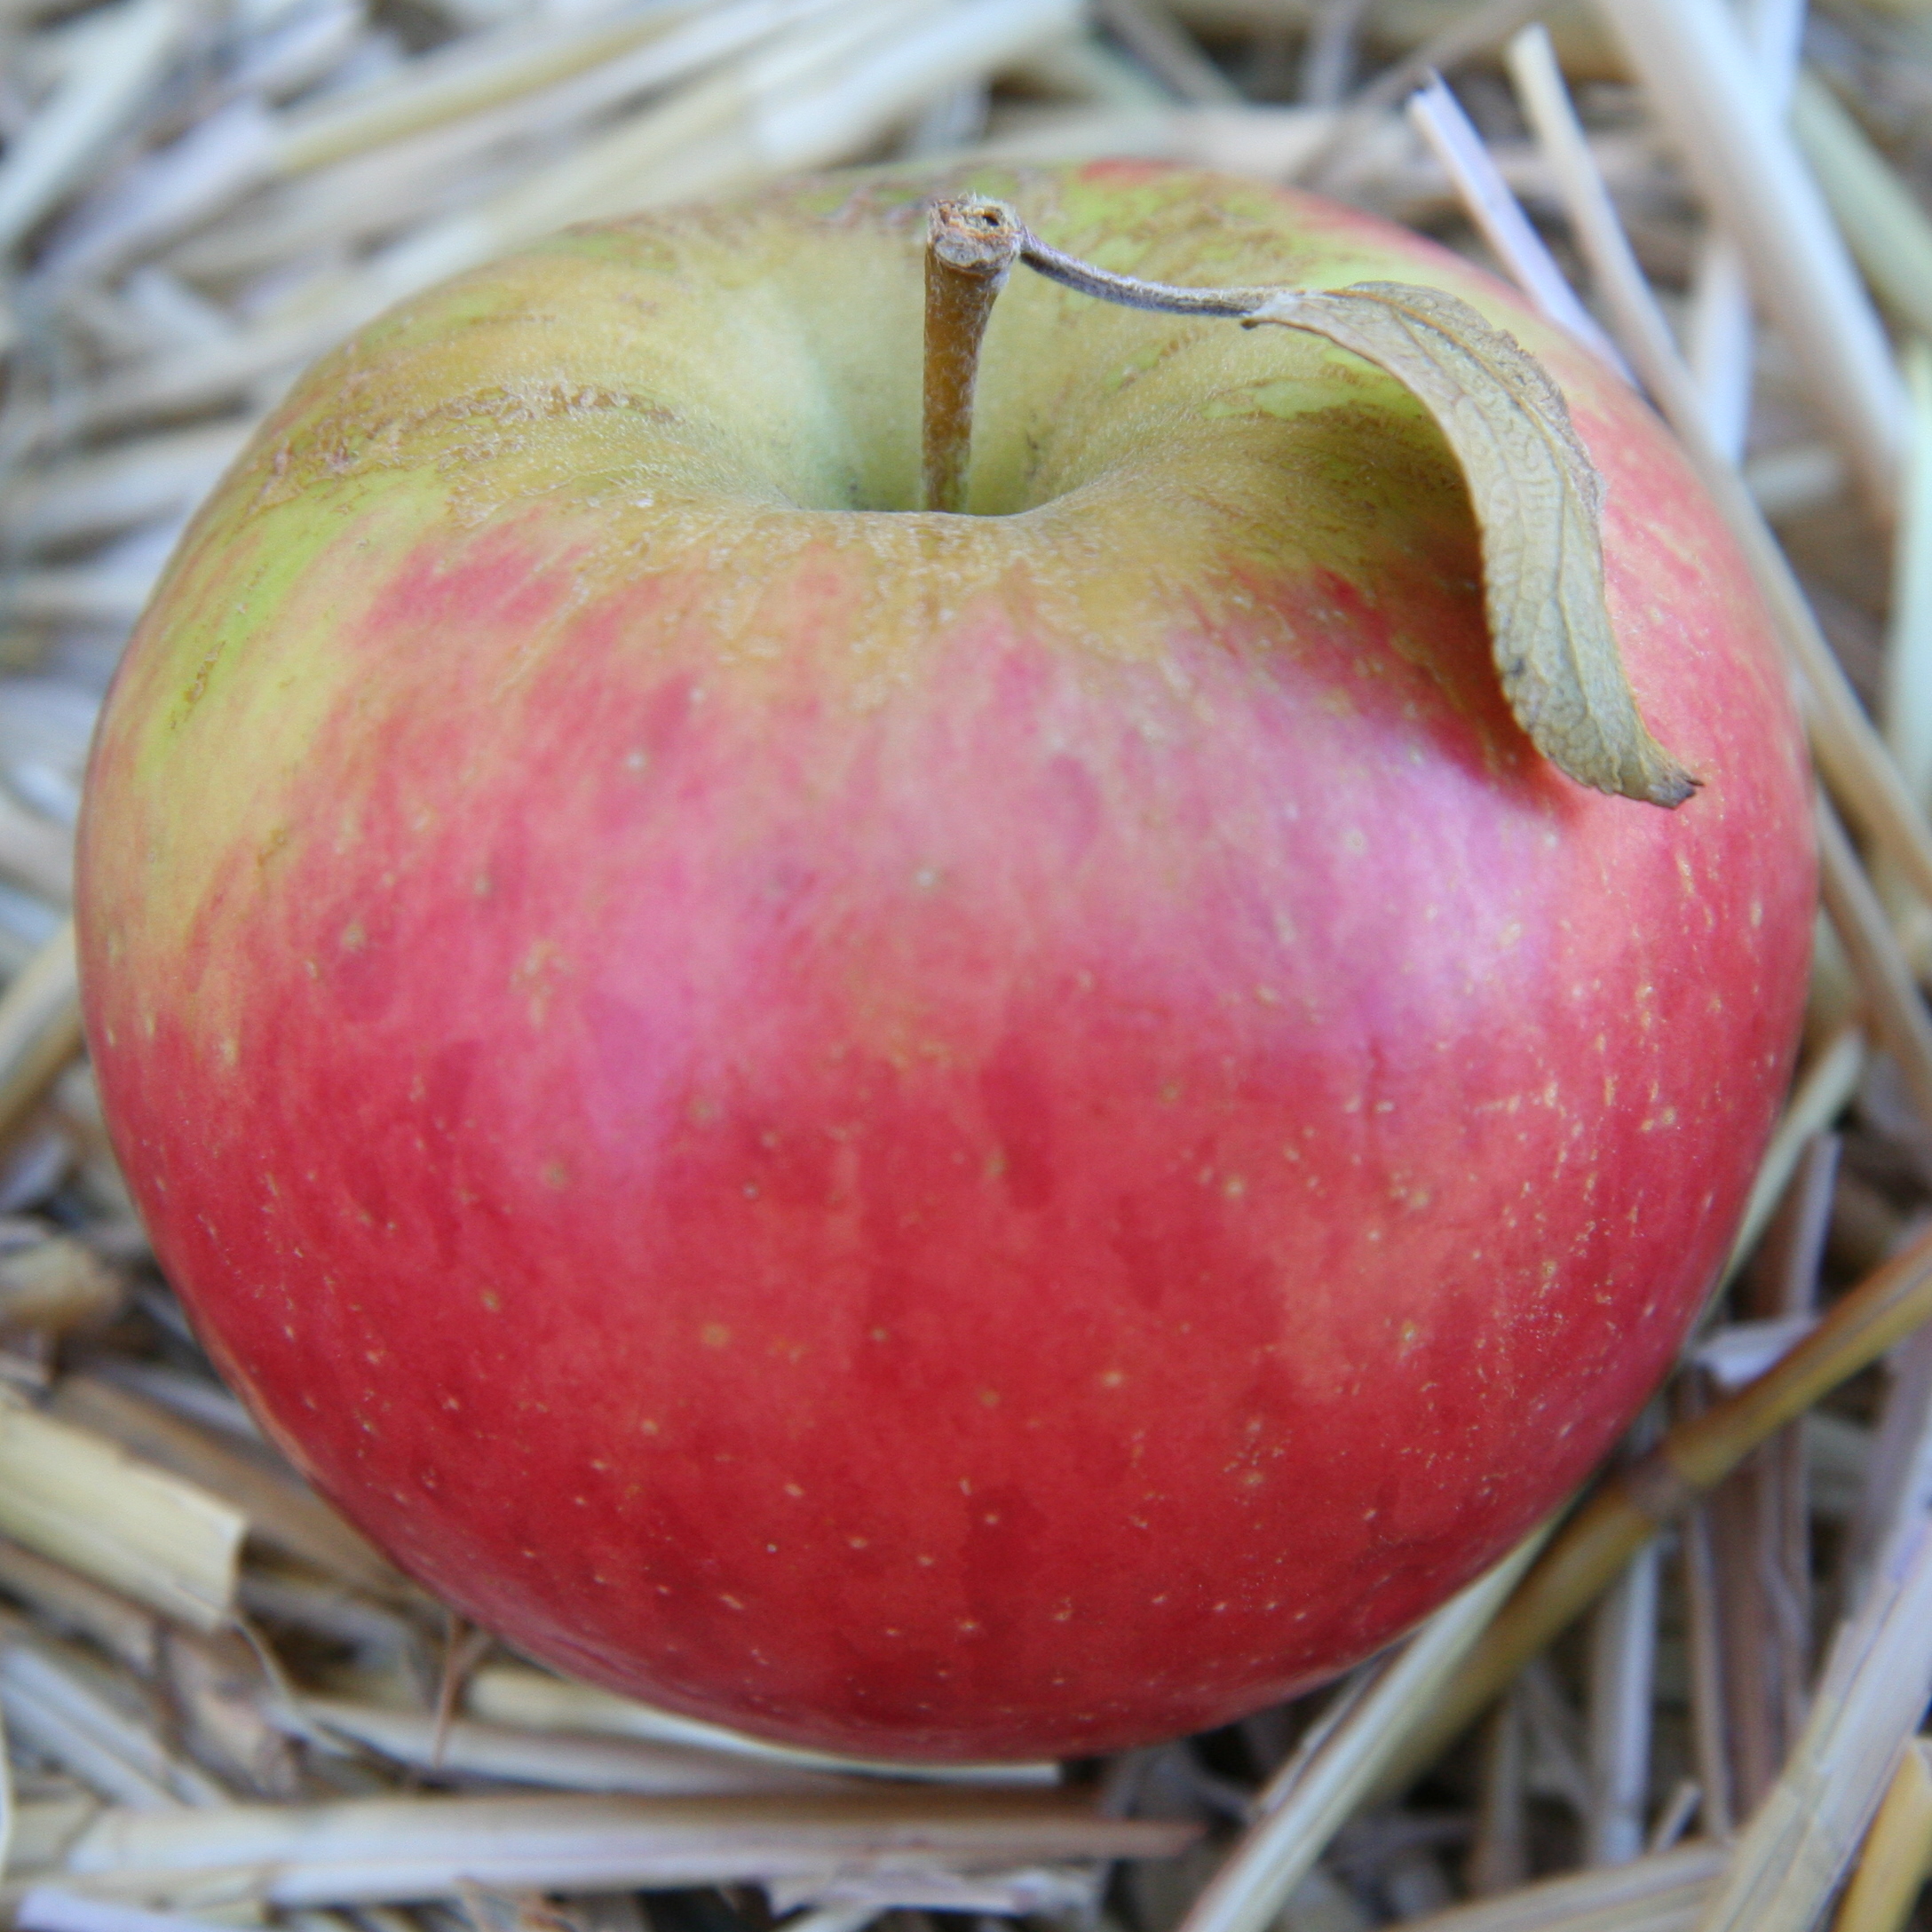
pixel 1539 505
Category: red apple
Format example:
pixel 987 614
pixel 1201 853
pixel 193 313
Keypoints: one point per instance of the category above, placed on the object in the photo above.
pixel 937 1136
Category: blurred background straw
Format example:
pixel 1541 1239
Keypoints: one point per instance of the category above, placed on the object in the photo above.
pixel 1697 1703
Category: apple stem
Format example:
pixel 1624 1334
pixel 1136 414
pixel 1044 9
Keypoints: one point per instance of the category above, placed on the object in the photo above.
pixel 971 246
pixel 1129 291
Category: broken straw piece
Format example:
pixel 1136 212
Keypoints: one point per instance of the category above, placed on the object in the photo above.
pixel 83 1501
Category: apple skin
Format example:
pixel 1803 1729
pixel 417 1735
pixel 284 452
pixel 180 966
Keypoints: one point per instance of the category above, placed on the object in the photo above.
pixel 937 1136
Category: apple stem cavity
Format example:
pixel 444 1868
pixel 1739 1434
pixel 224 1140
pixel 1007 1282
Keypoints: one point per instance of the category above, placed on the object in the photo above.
pixel 971 247
pixel 1536 493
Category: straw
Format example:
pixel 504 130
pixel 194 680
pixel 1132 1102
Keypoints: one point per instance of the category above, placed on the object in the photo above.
pixel 1499 1858
pixel 532 1698
pixel 1034 1890
pixel 40 1026
pixel 1850 755
pixel 1721 334
pixel 6 1796
pixel 46 1908
pixel 83 1503
pixel 112 1744
pixel 166 191
pixel 1663 1893
pixel 1899 1475
pixel 34 852
pixel 1891 993
pixel 520 58
pixel 1705 1634
pixel 1868 1703
pixel 1622 1662
pixel 1698 69
pixel 280 1511
pixel 580 1761
pixel 379 1849
pixel 1824 1090
pixel 127 50
pixel 96 495
pixel 1593 1547
pixel 424 149
pixel 1883 223
pixel 1897 1855
pixel 45 1826
pixel 1486 24
pixel 391 1651
pixel 1161 45
pixel 1761 1514
pixel 1907 708
pixel 1492 208
pixel 71 1604
pixel 1316 1792
pixel 801 98
pixel 1076 67
pixel 227 1693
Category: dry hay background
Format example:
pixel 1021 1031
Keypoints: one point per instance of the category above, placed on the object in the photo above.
pixel 221 1707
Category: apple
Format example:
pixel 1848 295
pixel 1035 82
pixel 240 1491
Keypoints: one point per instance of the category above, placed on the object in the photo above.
pixel 942 1135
